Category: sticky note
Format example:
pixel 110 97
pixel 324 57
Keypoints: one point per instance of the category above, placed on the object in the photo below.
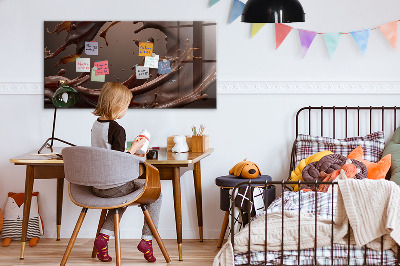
pixel 151 61
pixel 142 72
pixel 83 64
pixel 102 67
pixel 145 48
pixel 91 48
pixel 164 67
pixel 98 78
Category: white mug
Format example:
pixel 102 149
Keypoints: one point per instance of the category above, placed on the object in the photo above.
pixel 144 134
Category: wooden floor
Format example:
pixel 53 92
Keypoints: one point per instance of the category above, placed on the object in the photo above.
pixel 50 252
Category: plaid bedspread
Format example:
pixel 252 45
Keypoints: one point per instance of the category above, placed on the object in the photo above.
pixel 340 254
pixel 322 205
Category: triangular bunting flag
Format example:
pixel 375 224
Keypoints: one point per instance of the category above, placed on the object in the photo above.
pixel 306 39
pixel 281 31
pixel 332 41
pixel 361 37
pixel 389 30
pixel 213 2
pixel 256 28
pixel 237 9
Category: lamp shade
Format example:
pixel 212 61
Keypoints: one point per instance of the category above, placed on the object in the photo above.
pixel 273 11
pixel 65 96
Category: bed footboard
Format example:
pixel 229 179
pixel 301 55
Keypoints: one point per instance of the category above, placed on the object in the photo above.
pixel 310 254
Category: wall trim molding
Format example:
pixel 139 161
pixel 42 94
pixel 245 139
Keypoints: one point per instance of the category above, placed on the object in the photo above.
pixel 21 88
pixel 309 87
pixel 259 87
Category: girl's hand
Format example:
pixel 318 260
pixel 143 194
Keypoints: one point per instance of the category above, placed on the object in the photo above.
pixel 137 144
pixel 143 155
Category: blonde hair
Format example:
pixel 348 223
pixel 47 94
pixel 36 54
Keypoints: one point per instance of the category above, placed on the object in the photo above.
pixel 113 98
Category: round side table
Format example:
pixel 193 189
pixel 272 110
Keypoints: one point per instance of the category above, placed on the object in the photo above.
pixel 228 182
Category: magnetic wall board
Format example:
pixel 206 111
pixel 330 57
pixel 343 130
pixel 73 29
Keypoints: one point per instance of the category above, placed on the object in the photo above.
pixel 77 52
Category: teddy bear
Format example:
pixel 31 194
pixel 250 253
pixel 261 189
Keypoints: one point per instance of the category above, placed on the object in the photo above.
pixel 13 215
pixel 180 144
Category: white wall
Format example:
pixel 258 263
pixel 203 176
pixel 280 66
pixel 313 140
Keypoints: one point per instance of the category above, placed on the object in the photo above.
pixel 259 127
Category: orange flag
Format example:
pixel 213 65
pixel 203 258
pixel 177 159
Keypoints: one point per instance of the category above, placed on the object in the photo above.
pixel 389 30
pixel 281 31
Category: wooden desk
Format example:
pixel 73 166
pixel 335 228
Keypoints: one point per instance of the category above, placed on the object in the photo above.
pixel 171 166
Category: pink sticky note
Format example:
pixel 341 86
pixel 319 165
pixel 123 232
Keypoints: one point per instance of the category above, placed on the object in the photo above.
pixel 102 68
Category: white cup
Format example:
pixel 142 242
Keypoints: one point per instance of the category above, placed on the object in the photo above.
pixel 144 134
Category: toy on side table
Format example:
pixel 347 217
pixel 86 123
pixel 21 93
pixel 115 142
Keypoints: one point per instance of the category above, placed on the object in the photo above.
pixel 13 215
pixel 245 169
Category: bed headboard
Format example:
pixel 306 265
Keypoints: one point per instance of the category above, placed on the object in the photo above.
pixel 344 121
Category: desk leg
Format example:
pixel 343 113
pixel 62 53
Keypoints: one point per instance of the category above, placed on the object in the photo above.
pixel 60 190
pixel 27 206
pixel 199 204
pixel 176 182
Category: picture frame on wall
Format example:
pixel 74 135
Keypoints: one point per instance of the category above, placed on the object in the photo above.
pixel 166 64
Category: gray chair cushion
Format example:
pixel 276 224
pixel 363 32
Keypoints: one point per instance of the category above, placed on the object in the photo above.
pixel 83 195
pixel 99 167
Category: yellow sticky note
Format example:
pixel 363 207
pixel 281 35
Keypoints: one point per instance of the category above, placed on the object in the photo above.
pixel 145 48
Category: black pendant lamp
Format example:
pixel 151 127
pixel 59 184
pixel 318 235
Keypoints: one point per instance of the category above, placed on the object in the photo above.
pixel 273 11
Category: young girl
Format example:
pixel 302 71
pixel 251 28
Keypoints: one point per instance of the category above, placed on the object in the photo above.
pixel 113 103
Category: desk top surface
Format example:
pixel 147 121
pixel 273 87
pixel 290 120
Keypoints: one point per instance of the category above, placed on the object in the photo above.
pixel 164 157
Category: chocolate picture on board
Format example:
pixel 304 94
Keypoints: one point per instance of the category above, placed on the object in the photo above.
pixel 166 64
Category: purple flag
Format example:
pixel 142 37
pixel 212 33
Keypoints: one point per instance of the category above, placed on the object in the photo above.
pixel 306 39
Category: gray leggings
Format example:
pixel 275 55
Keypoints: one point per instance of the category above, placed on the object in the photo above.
pixel 154 208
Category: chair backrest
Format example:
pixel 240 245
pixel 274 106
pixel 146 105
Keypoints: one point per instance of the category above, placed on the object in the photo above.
pixel 92 166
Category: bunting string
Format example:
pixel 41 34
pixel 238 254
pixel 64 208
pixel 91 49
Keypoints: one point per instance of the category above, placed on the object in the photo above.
pixel 343 33
pixel 361 37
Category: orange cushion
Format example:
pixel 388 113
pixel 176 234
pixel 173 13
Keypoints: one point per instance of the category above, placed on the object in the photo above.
pixel 375 170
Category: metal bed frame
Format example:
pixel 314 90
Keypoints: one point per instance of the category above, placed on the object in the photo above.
pixel 283 184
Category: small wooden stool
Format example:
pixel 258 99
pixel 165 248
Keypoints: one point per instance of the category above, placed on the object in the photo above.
pixel 226 183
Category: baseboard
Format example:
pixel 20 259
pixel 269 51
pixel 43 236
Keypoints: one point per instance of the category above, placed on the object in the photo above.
pixel 258 87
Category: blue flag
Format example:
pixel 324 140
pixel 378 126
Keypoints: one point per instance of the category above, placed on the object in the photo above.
pixel 361 37
pixel 237 9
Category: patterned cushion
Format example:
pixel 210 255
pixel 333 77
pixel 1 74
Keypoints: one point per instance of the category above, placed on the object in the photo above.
pixel 372 144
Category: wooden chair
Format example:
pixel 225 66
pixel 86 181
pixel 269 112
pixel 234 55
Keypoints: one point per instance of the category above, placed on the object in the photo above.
pixel 85 167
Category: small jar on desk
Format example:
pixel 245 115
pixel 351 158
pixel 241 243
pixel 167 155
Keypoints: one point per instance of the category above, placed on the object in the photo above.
pixel 226 183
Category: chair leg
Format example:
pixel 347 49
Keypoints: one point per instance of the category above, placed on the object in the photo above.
pixel 117 239
pixel 223 229
pixel 101 222
pixel 154 230
pixel 73 237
